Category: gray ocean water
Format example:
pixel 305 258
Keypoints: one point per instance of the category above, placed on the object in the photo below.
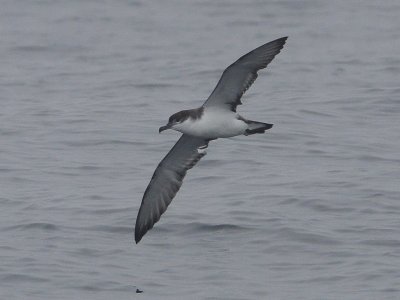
pixel 310 210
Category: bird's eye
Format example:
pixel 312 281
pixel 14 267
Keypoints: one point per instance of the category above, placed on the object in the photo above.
pixel 174 120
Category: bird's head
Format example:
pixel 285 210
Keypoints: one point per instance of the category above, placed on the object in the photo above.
pixel 174 121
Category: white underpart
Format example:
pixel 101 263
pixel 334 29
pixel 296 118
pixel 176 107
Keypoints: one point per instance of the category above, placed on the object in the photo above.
pixel 214 123
pixel 201 151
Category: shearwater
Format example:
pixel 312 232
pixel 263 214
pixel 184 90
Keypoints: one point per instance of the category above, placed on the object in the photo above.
pixel 216 118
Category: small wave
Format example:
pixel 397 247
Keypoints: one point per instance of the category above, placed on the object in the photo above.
pixel 106 211
pixel 153 85
pixel 31 48
pixel 374 158
pixel 382 243
pixel 207 73
pixel 106 286
pixel 112 229
pixel 36 225
pixel 202 227
pixel 316 113
pixel 323 206
pixel 308 237
pixel 13 278
pixel 88 143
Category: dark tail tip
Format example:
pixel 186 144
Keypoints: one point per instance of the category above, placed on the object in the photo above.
pixel 257 127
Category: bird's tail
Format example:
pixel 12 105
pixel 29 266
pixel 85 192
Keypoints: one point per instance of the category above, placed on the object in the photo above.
pixel 256 127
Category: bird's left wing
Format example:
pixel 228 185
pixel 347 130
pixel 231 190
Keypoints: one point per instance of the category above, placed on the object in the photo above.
pixel 166 181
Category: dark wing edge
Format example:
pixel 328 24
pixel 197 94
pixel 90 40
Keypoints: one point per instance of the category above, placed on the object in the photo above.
pixel 167 180
pixel 239 76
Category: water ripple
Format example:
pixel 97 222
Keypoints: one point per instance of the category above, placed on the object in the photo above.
pixel 203 227
pixel 33 226
pixel 21 278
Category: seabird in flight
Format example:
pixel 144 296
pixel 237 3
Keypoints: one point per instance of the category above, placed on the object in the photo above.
pixel 216 118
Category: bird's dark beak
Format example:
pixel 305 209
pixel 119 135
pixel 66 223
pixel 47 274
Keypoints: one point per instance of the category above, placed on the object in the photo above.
pixel 162 128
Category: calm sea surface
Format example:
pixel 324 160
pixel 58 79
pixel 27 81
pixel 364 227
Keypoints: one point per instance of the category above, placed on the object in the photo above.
pixel 310 210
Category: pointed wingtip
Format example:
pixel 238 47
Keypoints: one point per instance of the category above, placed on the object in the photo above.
pixel 283 39
pixel 138 235
pixel 137 238
pixel 139 232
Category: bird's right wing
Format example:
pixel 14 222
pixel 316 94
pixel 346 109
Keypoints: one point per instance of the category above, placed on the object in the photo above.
pixel 166 181
pixel 240 75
